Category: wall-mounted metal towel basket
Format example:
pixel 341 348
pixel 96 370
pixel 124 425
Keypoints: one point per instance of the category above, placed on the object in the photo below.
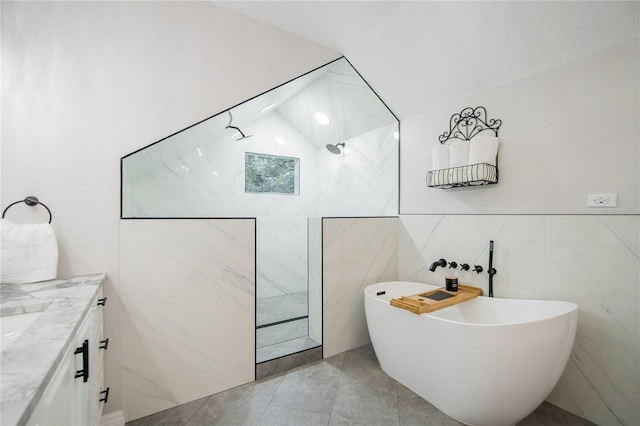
pixel 465 125
pixel 30 201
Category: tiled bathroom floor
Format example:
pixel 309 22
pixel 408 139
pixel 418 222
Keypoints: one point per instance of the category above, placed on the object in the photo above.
pixel 346 389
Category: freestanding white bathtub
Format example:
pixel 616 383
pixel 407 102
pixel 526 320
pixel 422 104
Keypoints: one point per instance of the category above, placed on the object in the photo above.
pixel 486 361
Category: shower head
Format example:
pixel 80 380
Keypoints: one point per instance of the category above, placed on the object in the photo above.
pixel 229 126
pixel 334 149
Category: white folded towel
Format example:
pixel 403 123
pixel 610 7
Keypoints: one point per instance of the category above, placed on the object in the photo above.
pixel 458 153
pixel 483 149
pixel 29 252
pixel 440 157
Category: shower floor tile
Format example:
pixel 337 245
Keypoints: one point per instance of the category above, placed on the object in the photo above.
pixel 279 308
pixel 278 333
pixel 277 350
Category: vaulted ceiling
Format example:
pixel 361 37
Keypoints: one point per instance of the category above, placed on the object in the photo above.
pixel 418 54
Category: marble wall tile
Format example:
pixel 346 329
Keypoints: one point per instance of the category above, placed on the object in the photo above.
pixel 518 251
pixel 341 93
pixel 363 180
pixel 593 261
pixel 196 175
pixel 282 255
pixel 265 130
pixel 208 180
pixel 356 252
pixel 187 310
pixel 590 260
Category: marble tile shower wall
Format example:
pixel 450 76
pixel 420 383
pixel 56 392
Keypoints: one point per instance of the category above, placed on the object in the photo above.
pixel 187 320
pixel 208 179
pixel 200 173
pixel 281 255
pixel 337 91
pixel 363 181
pixel 589 260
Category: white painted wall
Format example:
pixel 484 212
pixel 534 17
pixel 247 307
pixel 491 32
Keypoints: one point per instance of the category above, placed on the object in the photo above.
pixel 566 132
pixel 84 83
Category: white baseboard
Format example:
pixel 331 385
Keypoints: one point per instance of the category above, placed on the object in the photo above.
pixel 113 419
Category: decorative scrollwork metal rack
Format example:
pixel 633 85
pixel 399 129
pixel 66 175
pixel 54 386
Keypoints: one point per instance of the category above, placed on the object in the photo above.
pixel 468 123
pixel 465 125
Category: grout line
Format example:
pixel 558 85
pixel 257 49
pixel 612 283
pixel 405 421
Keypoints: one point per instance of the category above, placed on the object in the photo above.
pixel 198 410
pixel 284 375
pixel 397 400
pixel 333 403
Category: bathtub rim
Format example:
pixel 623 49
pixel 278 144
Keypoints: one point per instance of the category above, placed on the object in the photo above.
pixel 570 308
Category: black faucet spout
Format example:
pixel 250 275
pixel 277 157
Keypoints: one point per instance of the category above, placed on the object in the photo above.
pixel 437 263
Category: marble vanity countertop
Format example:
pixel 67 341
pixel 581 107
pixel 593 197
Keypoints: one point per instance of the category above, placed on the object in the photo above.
pixel 28 363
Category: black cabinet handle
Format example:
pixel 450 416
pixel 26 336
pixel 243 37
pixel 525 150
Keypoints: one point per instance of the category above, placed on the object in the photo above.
pixel 104 344
pixel 84 371
pixel 102 301
pixel 106 395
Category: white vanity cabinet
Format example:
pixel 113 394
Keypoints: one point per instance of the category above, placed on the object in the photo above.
pixel 73 395
pixel 99 395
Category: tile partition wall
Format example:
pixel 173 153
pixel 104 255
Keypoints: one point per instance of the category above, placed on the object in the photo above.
pixel 182 281
pixel 356 252
pixel 588 260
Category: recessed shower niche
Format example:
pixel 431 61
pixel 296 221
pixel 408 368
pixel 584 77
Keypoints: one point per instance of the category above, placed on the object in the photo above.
pixel 321 145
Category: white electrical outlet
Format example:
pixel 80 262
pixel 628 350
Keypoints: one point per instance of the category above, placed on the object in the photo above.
pixel 602 200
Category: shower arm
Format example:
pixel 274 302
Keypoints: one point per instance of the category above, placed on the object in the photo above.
pixel 229 126
pixel 236 128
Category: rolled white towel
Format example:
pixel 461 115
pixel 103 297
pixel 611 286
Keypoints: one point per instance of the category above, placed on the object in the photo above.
pixel 459 153
pixel 438 177
pixel 483 149
pixel 440 157
pixel 29 252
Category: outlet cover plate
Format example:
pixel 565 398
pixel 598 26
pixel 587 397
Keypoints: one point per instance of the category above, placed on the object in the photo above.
pixel 602 200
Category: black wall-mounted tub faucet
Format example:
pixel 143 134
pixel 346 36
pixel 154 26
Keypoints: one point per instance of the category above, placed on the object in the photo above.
pixel 491 271
pixel 434 265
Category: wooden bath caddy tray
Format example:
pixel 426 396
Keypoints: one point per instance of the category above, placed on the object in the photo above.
pixel 436 299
